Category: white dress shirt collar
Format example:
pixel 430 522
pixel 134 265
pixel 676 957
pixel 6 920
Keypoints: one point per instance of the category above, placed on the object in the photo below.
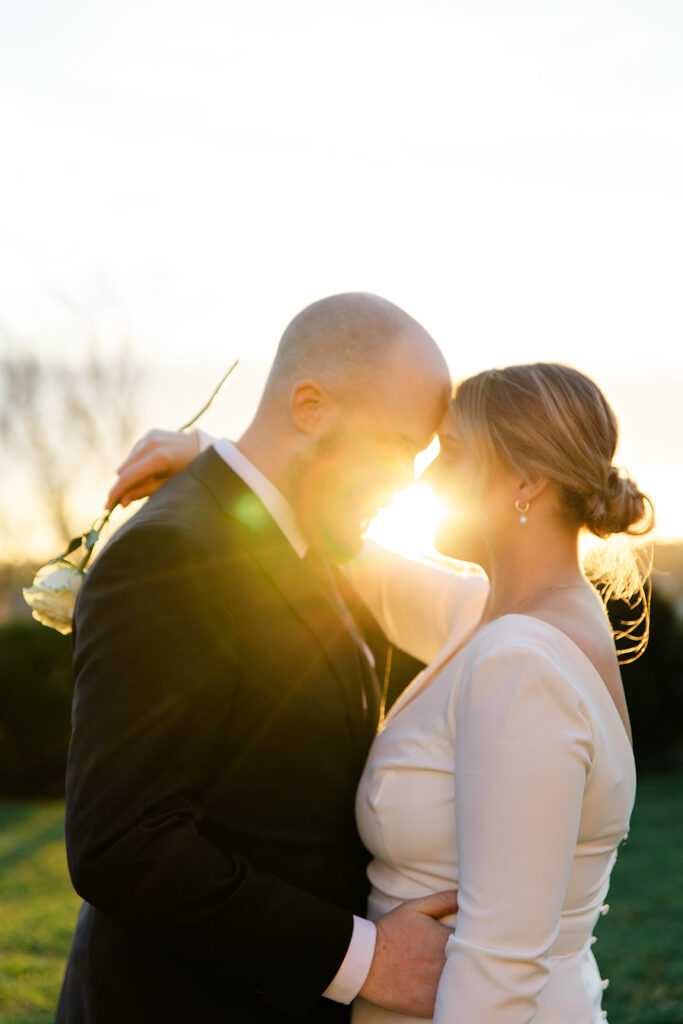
pixel 278 506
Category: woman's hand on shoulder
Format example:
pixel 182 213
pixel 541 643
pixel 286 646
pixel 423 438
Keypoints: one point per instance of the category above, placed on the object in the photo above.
pixel 153 460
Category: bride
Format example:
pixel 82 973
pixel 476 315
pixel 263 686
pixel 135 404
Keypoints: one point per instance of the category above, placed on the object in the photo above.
pixel 505 769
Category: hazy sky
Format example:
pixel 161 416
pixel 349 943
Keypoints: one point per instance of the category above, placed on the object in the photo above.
pixel 510 172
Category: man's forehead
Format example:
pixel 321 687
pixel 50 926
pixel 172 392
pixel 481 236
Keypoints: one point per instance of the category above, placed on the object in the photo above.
pixel 417 416
pixel 410 395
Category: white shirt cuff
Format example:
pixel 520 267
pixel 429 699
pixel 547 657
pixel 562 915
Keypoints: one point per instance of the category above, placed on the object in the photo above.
pixel 355 967
pixel 205 440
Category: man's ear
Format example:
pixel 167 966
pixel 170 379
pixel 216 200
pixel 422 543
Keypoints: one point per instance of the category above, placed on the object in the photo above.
pixel 309 405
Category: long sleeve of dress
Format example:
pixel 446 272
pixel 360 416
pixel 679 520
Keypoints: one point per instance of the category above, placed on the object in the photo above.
pixel 523 750
pixel 421 605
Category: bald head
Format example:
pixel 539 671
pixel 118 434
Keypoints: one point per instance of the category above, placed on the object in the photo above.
pixel 344 342
pixel 357 388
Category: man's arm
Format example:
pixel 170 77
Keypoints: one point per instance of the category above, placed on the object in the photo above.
pixel 155 667
pixel 153 690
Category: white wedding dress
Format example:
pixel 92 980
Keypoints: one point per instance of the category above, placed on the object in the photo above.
pixel 506 772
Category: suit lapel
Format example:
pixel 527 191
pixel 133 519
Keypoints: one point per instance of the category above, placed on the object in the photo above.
pixel 299 586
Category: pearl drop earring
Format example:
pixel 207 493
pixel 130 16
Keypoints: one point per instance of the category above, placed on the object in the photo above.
pixel 522 511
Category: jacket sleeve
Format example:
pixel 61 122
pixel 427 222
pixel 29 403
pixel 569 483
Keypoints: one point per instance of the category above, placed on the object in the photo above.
pixel 524 747
pixel 422 605
pixel 155 668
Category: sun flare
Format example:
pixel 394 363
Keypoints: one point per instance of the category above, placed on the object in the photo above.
pixel 409 525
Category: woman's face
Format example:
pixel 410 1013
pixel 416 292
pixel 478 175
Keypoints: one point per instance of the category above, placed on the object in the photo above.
pixel 480 498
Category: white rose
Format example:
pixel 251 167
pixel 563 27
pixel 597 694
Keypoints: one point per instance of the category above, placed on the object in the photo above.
pixel 53 596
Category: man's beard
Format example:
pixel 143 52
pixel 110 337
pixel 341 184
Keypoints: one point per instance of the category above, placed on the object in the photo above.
pixel 330 490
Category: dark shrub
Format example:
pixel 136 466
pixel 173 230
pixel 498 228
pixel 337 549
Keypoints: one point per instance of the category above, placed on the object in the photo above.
pixel 654 688
pixel 35 710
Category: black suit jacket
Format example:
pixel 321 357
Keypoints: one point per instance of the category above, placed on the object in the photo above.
pixel 219 732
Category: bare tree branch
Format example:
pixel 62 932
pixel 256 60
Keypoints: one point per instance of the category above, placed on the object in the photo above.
pixel 62 423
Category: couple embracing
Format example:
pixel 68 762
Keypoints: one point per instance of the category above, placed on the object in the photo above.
pixel 249 846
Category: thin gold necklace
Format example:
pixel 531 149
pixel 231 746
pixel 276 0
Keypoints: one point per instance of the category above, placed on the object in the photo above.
pixel 543 590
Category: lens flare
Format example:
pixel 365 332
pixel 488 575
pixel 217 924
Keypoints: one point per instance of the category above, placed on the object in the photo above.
pixel 426 457
pixel 409 525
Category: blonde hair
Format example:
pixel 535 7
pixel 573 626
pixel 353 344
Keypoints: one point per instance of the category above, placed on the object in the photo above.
pixel 551 421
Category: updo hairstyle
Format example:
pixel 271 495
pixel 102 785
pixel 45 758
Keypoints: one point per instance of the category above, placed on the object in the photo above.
pixel 548 420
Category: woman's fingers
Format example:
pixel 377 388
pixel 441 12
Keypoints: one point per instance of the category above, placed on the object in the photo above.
pixel 158 455
pixel 135 475
pixel 123 492
pixel 154 441
pixel 143 490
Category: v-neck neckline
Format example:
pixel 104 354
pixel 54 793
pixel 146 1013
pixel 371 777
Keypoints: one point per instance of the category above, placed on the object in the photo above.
pixel 407 698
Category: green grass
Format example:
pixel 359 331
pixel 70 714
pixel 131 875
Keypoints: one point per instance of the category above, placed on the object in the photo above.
pixel 640 942
pixel 38 911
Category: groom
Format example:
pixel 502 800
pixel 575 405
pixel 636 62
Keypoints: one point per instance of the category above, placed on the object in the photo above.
pixel 225 702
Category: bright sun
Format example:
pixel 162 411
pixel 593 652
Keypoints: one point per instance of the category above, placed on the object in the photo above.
pixel 409 526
